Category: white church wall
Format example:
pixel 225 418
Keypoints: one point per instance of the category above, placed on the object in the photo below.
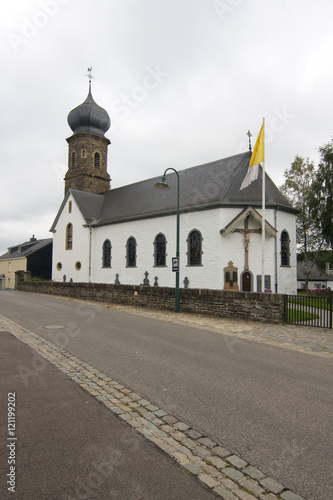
pixel 80 248
pixel 218 250
pixel 145 231
pixel 287 275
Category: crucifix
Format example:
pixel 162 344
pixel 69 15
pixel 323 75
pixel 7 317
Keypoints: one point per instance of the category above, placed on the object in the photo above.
pixel 247 233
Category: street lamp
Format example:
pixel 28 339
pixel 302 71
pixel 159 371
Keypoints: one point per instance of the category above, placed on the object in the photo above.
pixel 164 185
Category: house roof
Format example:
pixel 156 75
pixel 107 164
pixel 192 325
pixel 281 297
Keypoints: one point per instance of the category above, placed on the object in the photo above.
pixel 88 203
pixel 314 272
pixel 25 249
pixel 206 186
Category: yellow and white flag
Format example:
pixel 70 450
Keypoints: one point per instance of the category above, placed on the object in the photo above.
pixel 258 156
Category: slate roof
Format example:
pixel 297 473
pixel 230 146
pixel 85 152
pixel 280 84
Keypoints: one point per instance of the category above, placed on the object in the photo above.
pixel 88 203
pixel 211 185
pixel 89 118
pixel 25 249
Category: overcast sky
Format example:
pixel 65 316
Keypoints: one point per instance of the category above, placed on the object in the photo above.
pixel 182 80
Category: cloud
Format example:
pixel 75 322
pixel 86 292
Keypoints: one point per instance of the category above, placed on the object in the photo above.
pixel 225 72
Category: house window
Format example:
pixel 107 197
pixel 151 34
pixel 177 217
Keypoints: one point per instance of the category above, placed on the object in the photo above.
pixel 83 153
pixel 73 159
pixel 59 266
pixel 131 252
pixel 106 253
pixel 285 249
pixel 96 160
pixel 194 248
pixel 69 207
pixel 160 250
pixel 9 266
pixel 69 237
pixel 78 265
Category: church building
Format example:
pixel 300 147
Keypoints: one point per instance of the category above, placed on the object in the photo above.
pixel 127 235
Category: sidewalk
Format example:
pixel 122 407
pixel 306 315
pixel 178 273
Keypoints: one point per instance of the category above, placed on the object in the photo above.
pixel 69 446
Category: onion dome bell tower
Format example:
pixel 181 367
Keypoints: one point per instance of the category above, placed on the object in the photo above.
pixel 88 147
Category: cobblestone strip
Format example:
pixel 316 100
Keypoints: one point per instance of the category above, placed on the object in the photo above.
pixel 226 474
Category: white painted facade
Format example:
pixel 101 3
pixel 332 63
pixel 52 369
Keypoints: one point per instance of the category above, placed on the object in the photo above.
pixel 217 249
pixel 64 262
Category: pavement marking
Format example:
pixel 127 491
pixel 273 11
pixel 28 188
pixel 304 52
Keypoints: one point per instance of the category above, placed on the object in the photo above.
pixel 224 473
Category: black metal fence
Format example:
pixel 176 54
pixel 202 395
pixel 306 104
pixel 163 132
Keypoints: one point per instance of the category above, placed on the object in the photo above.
pixel 308 310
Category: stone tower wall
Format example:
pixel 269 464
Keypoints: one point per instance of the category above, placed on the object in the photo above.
pixel 82 174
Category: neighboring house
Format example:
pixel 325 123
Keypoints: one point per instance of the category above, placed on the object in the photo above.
pixel 34 256
pixel 120 235
pixel 317 278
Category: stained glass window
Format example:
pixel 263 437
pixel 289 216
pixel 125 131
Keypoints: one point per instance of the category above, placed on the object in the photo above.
pixel 195 252
pixel 107 253
pixel 160 250
pixel 131 252
pixel 69 236
pixel 285 249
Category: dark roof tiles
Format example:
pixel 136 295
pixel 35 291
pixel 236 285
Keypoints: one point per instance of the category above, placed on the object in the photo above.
pixel 214 184
pixel 210 185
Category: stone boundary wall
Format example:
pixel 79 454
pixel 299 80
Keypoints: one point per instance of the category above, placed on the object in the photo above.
pixel 247 306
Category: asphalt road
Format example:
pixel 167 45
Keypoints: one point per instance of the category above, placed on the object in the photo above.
pixel 271 406
pixel 70 447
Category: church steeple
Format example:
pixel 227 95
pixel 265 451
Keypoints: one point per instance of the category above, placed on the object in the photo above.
pixel 87 147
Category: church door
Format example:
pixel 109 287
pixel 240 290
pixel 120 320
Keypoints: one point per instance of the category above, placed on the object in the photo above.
pixel 246 282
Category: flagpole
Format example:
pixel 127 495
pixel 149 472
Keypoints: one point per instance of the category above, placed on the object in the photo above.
pixel 263 227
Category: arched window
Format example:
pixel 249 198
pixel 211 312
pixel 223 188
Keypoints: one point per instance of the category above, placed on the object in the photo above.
pixel 97 160
pixel 285 249
pixel 106 253
pixel 69 237
pixel 194 243
pixel 131 252
pixel 160 250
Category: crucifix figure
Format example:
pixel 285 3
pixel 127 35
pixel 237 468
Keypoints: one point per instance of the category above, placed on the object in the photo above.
pixel 247 233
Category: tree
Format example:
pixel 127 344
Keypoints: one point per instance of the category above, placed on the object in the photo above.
pixel 297 188
pixel 321 199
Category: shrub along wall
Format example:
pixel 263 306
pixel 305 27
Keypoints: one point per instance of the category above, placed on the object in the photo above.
pixel 237 305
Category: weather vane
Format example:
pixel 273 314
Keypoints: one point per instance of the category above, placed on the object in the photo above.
pixel 89 75
pixel 249 136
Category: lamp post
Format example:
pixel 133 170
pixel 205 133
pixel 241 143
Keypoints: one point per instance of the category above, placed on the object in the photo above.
pixel 164 185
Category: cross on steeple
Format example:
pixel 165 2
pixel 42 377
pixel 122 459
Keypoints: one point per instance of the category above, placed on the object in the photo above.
pixel 249 136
